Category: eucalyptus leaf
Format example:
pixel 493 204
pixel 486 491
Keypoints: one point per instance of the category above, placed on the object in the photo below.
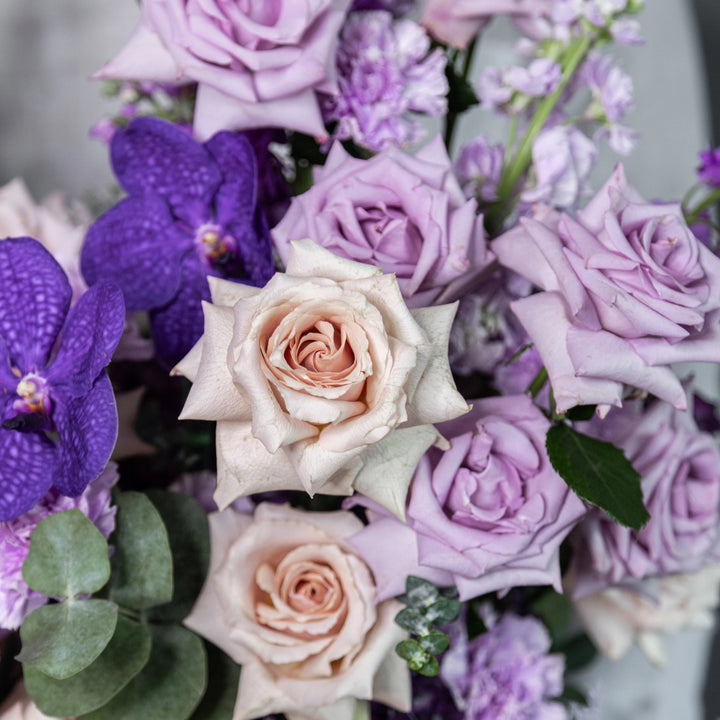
pixel 431 668
pixel 411 651
pixel 188 531
pixel 61 640
pixel 443 611
pixel 169 687
pixel 419 592
pixel 142 564
pixel 599 473
pixel 412 620
pixel 435 642
pixel 124 657
pixel 68 555
pixel 218 703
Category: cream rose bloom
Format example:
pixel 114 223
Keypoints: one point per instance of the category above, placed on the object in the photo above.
pixel 290 601
pixel 617 617
pixel 60 226
pixel 323 380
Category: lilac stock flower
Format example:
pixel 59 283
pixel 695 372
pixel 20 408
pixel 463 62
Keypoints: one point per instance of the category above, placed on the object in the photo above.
pixel 16 599
pixel 191 212
pixel 679 467
pixel 386 71
pixel 487 514
pixel 709 170
pixel 506 672
pixel 397 7
pixel 563 158
pixel 540 78
pixel 627 290
pixel 478 169
pixel 52 388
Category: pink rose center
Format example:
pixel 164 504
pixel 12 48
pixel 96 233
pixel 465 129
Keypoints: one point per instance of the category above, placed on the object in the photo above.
pixel 323 349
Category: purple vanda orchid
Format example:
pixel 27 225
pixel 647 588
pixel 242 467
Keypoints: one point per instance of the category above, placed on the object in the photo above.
pixel 58 421
pixel 192 211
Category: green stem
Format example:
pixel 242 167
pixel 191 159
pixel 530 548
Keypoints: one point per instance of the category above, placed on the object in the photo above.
pixel 711 199
pixel 538 382
pixel 514 171
pixel 452 117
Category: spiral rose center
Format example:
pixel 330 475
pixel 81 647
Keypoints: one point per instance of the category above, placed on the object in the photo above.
pixel 323 349
pixel 391 235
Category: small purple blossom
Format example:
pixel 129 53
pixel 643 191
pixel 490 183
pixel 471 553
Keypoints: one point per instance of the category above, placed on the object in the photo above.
pixel 709 170
pixel 386 70
pixel 563 158
pixel 192 211
pixel 16 599
pixel 58 421
pixel 478 169
pixel 505 672
pixel 540 78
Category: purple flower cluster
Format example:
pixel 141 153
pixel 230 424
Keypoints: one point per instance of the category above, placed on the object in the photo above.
pixel 58 421
pixel 16 599
pixel 385 72
pixel 497 86
pixel 709 170
pixel 192 211
pixel 478 169
pixel 505 672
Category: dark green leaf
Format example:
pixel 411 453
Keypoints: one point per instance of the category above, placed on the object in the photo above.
pixel 119 662
pixel 419 592
pixel 431 668
pixel 574 695
pixel 411 651
pixel 63 639
pixel 475 624
pixel 443 611
pixel 581 413
pixel 189 534
pixel 412 620
pixel 599 473
pixel 461 95
pixel 142 563
pixel 169 687
pixel 68 555
pixel 556 611
pixel 435 642
pixel 579 651
pixel 218 703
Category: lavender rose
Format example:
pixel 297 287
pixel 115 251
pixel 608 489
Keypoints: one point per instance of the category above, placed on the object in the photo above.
pixel 680 476
pixel 404 214
pixel 627 290
pixel 257 64
pixel 487 514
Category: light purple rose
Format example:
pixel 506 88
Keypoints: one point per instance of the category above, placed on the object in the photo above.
pixel 457 22
pixel 487 514
pixel 627 289
pixel 257 64
pixel 506 672
pixel 679 468
pixel 16 599
pixel 404 214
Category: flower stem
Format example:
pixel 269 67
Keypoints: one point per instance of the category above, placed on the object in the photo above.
pixel 452 115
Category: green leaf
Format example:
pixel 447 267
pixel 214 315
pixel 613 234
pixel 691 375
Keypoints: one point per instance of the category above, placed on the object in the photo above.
pixel 579 651
pixel 63 639
pixel 189 535
pixel 218 703
pixel 555 610
pixel 411 651
pixel 68 555
pixel 461 95
pixel 123 658
pixel 142 563
pixel 599 473
pixel 581 413
pixel 419 592
pixel 412 620
pixel 435 642
pixel 431 668
pixel 443 611
pixel 575 695
pixel 169 687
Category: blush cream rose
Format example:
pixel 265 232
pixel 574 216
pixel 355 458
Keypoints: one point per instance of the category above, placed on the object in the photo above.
pixel 288 599
pixel 323 380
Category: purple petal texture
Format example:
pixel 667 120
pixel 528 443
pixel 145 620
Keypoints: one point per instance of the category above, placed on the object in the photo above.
pixel 89 338
pixel 34 299
pixel 236 198
pixel 87 428
pixel 138 246
pixel 153 156
pixel 178 325
pixel 27 469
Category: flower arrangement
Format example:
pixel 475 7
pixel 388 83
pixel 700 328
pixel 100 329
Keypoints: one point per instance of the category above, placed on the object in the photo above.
pixel 329 419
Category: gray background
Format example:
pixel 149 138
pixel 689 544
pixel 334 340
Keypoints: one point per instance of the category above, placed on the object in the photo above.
pixel 48 48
